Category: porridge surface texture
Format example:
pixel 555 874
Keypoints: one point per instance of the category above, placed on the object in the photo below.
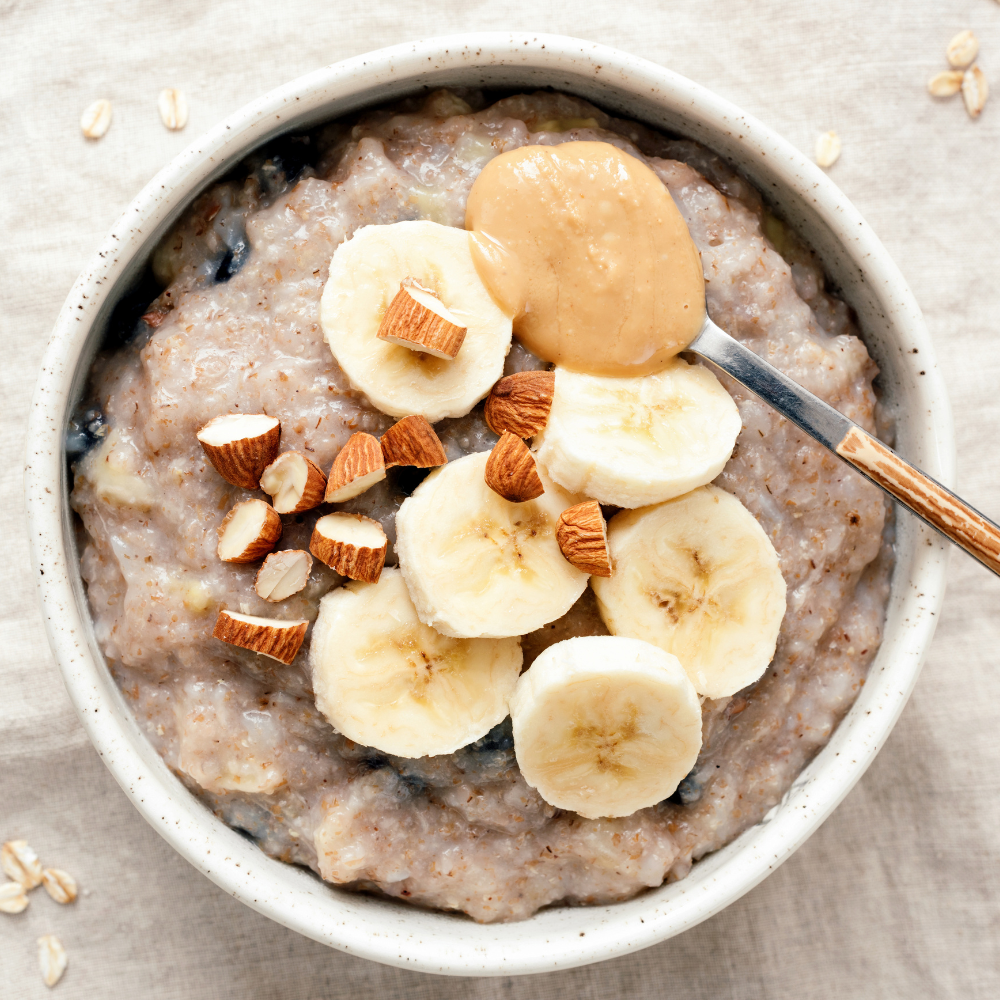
pixel 236 329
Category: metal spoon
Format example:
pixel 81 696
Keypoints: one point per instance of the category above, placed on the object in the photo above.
pixel 915 490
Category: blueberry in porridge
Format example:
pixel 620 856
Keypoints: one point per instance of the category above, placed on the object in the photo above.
pixel 422 552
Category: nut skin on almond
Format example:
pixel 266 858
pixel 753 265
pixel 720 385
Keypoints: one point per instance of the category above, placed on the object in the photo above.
pixel 242 461
pixel 273 479
pixel 511 471
pixel 358 466
pixel 582 536
pixel 267 538
pixel 412 441
pixel 408 323
pixel 520 403
pixel 281 640
pixel 357 562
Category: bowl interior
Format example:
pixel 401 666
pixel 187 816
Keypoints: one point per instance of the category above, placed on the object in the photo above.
pixel 857 265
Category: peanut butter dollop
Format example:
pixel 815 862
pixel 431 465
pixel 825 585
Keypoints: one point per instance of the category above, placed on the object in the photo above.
pixel 584 246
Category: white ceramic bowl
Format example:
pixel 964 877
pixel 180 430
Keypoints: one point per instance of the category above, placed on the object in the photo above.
pixel 854 259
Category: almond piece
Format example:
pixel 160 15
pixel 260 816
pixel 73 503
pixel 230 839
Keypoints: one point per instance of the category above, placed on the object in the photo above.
pixel 294 483
pixel 962 50
pixel 511 472
pixel 280 640
pixel 358 465
pixel 520 403
pixel 283 574
pixel 945 84
pixel 417 319
pixel 975 90
pixel 350 544
pixel 241 446
pixel 248 532
pixel 583 538
pixel 412 441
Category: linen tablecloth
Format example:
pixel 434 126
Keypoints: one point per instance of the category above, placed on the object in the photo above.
pixel 898 894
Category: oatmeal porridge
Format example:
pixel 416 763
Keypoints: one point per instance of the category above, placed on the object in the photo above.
pixel 444 815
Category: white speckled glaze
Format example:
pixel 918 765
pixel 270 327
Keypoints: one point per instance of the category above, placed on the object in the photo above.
pixel 853 258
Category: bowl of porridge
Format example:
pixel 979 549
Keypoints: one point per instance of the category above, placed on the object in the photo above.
pixel 422 616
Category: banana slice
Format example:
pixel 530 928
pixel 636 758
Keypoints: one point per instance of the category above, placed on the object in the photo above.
pixel 605 725
pixel 385 680
pixel 697 577
pixel 637 441
pixel 479 565
pixel 365 276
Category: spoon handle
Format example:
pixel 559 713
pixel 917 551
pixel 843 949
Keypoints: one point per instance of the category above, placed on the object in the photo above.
pixel 915 490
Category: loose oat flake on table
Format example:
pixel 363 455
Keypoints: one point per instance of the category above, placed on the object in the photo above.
pixel 828 147
pixel 962 50
pixel 13 897
pixel 975 90
pixel 96 119
pixel 946 83
pixel 20 863
pixel 60 885
pixel 52 959
pixel 238 328
pixel 173 108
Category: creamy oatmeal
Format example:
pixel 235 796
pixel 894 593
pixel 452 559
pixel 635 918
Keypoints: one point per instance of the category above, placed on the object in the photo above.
pixel 236 329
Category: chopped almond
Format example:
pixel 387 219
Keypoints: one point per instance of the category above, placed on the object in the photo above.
pixel 283 574
pixel 248 532
pixel 294 482
pixel 241 446
pixel 520 403
pixel 417 319
pixel 583 538
pixel 511 471
pixel 412 441
pixel 358 465
pixel 350 544
pixel 281 640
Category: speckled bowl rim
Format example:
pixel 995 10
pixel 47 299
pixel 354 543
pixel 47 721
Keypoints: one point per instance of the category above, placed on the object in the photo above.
pixel 557 938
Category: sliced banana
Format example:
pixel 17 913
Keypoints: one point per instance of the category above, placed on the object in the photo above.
pixel 386 680
pixel 479 565
pixel 365 276
pixel 698 577
pixel 637 441
pixel 605 725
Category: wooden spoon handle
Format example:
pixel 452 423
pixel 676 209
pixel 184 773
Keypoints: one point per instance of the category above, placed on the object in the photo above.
pixel 928 499
pixel 938 506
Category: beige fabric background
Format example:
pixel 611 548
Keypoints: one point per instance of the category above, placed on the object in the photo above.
pixel 898 895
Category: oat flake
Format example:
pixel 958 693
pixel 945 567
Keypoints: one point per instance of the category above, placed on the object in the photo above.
pixel 13 898
pixel 60 885
pixel 962 49
pixel 20 863
pixel 828 149
pixel 51 958
pixel 173 108
pixel 975 90
pixel 96 120
pixel 945 84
